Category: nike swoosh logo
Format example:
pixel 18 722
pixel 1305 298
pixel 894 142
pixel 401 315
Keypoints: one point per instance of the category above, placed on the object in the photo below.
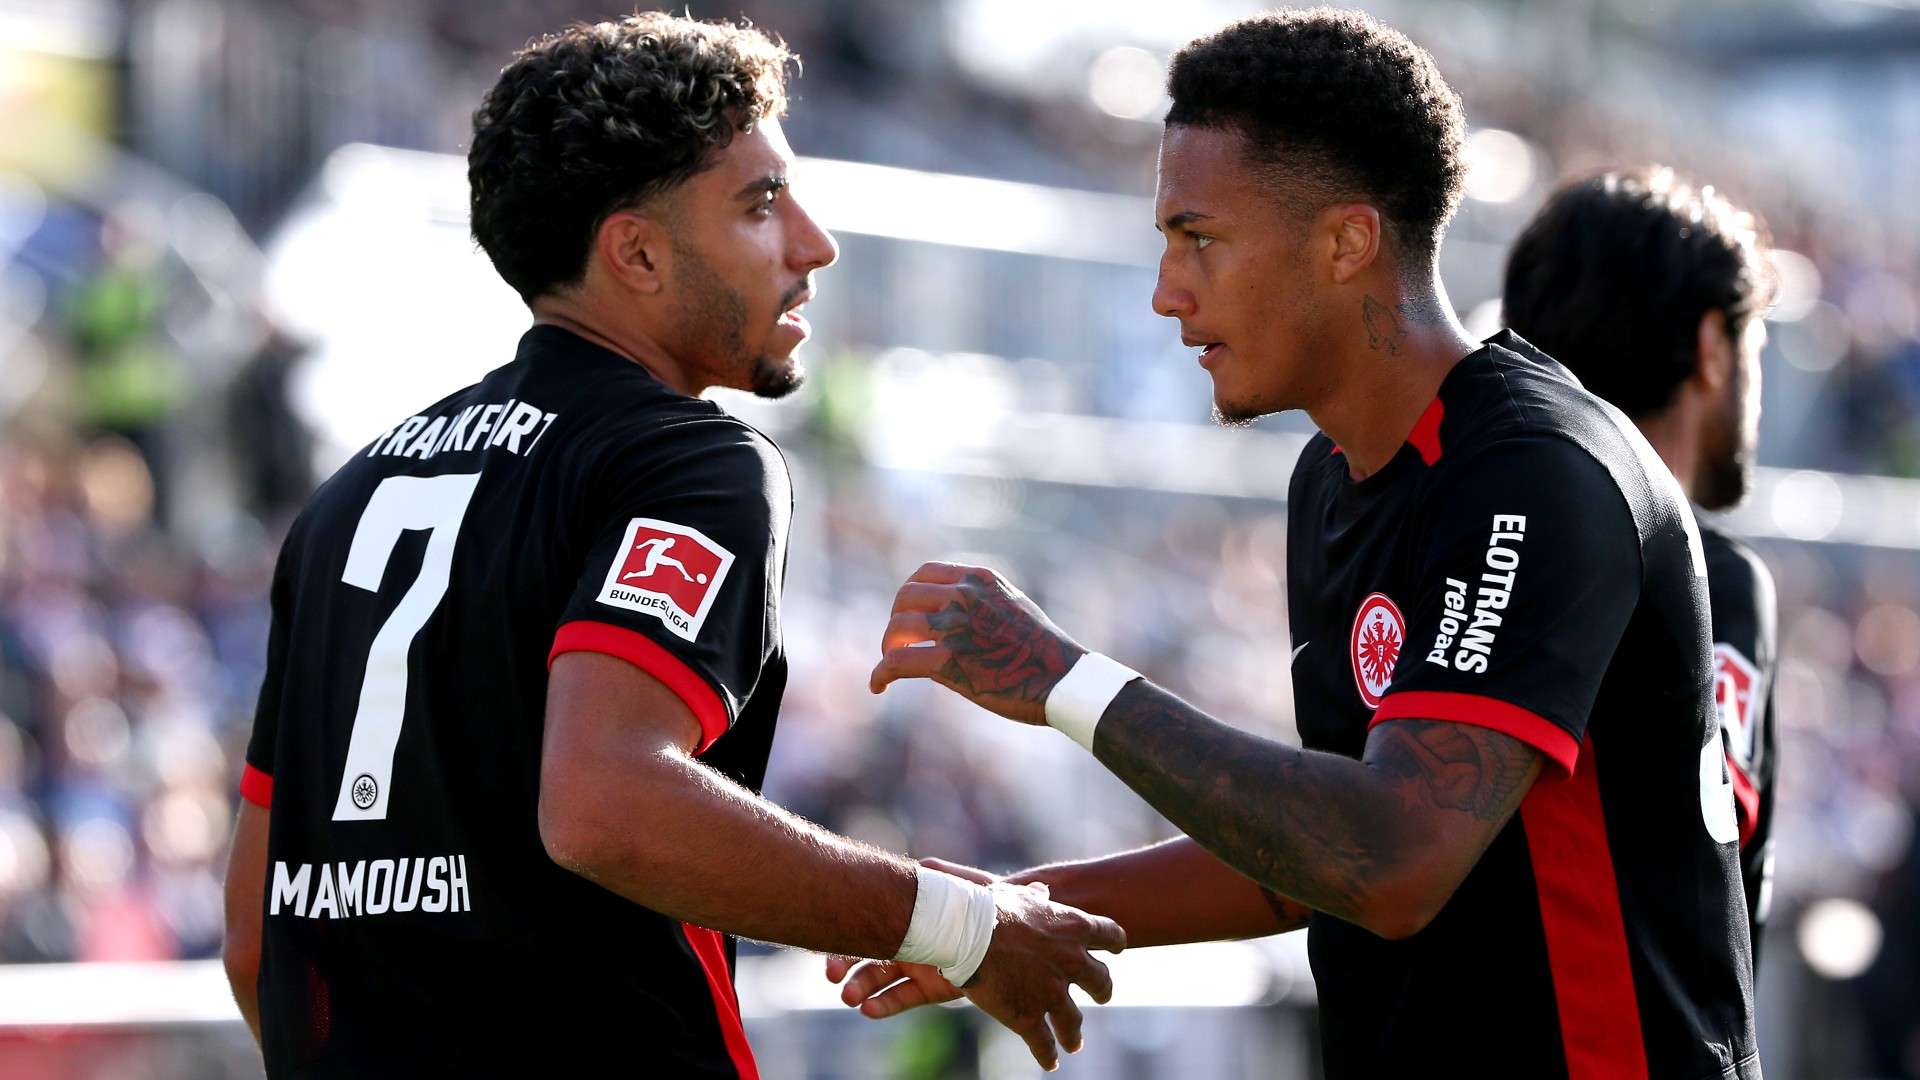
pixel 1296 653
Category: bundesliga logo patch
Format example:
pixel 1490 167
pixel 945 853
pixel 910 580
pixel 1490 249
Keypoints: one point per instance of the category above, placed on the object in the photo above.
pixel 1378 634
pixel 671 572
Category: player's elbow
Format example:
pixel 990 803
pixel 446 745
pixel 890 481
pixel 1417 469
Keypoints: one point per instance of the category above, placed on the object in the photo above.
pixel 569 836
pixel 1406 904
pixel 581 836
pixel 1396 922
pixel 240 955
pixel 606 823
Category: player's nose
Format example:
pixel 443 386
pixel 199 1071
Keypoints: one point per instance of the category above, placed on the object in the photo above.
pixel 812 247
pixel 1171 300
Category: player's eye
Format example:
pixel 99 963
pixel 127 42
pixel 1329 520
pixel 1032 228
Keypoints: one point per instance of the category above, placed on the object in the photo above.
pixel 1200 241
pixel 765 206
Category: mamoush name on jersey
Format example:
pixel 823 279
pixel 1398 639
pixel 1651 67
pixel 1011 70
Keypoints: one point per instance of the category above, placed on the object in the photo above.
pixel 414 923
pixel 1525 564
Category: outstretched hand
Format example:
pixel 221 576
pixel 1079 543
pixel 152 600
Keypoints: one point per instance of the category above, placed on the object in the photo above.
pixel 969 630
pixel 883 988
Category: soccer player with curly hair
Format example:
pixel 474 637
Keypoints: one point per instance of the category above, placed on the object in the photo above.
pixel 1510 832
pixel 501 812
pixel 1651 289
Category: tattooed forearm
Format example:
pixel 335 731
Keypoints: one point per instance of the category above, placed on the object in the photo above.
pixel 1351 838
pixel 1384 330
pixel 1292 916
pixel 1303 828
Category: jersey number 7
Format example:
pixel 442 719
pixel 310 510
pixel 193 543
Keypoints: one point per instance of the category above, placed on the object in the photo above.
pixel 437 504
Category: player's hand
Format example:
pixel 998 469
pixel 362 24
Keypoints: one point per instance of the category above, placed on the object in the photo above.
pixel 883 988
pixel 967 629
pixel 1039 949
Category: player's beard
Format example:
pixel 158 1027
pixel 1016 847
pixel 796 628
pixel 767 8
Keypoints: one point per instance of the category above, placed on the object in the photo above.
pixel 1237 406
pixel 1725 473
pixel 1231 417
pixel 774 378
pixel 714 316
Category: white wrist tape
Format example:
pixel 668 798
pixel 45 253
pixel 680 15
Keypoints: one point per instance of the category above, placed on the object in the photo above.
pixel 1076 702
pixel 952 925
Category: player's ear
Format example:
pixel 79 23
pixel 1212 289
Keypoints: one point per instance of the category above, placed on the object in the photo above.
pixel 635 250
pixel 1716 353
pixel 1351 236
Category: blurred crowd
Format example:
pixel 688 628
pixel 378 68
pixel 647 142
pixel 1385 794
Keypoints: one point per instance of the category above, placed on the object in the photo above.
pixel 128 664
pixel 132 631
pixel 1847 325
pixel 989 89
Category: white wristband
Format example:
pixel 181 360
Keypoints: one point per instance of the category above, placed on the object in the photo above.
pixel 952 925
pixel 1076 702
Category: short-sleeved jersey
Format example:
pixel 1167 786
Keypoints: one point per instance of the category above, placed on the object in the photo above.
pixel 1744 618
pixel 1525 564
pixel 414 923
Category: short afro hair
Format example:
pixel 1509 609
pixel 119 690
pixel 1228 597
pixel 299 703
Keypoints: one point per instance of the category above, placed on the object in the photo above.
pixel 1615 272
pixel 599 118
pixel 1335 106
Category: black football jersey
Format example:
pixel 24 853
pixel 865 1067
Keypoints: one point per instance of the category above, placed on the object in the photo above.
pixel 1526 564
pixel 1744 617
pixel 414 924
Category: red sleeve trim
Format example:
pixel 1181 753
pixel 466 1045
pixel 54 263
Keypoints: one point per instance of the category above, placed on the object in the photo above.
pixel 1529 727
pixel 256 787
pixel 649 656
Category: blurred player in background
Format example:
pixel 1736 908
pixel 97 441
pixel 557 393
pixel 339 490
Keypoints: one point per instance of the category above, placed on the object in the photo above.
pixel 1650 289
pixel 526 653
pixel 1511 830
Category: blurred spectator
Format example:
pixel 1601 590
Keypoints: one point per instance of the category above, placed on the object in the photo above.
pixel 273 448
pixel 130 380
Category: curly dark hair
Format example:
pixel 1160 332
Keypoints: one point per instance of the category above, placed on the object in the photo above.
pixel 599 118
pixel 1335 106
pixel 1615 272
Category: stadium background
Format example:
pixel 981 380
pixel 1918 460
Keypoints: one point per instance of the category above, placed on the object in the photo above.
pixel 232 247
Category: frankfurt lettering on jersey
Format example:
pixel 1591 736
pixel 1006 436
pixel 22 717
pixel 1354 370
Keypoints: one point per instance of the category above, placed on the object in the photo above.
pixel 1475 638
pixel 475 427
pixel 349 889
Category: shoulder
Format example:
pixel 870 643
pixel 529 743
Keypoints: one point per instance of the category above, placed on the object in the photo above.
pixel 1735 566
pixel 1537 465
pixel 1540 492
pixel 687 446
pixel 1526 398
pixel 1740 587
pixel 1519 390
